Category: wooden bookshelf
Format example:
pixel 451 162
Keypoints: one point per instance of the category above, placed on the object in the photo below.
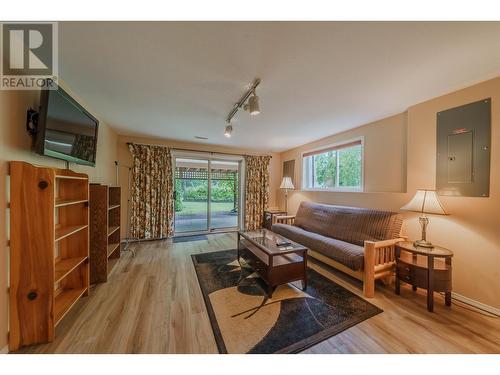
pixel 49 250
pixel 114 212
pixel 104 230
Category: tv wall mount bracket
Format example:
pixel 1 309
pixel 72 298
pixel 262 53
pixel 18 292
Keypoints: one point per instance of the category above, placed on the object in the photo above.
pixel 32 121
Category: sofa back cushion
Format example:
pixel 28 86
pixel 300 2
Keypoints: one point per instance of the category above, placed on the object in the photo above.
pixel 349 224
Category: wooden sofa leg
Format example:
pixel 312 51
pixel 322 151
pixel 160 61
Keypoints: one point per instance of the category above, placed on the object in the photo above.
pixel 369 272
pixel 369 288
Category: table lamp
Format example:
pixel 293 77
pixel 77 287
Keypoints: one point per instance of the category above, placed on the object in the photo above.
pixel 425 202
pixel 286 184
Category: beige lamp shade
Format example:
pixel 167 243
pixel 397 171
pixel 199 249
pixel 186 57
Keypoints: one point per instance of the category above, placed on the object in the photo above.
pixel 425 201
pixel 286 183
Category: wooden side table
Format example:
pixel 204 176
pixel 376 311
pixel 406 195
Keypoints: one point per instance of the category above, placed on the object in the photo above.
pixel 268 217
pixel 427 268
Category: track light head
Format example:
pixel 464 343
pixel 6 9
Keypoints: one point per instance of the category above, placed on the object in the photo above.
pixel 228 130
pixel 253 105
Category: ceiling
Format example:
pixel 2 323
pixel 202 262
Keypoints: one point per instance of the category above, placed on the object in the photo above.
pixel 178 80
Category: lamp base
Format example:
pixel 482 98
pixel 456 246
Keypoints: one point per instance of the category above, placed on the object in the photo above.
pixel 423 243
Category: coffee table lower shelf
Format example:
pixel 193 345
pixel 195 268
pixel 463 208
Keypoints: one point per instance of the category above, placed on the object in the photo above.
pixel 274 268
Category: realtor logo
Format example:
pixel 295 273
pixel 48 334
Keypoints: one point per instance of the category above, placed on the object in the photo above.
pixel 29 56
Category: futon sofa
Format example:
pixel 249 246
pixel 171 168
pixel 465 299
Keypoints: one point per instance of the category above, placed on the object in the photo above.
pixel 358 241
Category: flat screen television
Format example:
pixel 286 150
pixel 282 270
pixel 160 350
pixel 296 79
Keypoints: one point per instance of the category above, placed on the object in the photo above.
pixel 65 129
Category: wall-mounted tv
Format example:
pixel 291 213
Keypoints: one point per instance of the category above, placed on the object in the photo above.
pixel 65 129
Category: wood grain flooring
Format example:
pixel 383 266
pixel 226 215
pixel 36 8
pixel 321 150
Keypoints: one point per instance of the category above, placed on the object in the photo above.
pixel 153 304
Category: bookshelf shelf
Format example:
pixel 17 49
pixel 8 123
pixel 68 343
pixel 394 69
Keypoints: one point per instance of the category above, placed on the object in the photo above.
pixel 64 267
pixel 65 301
pixel 112 248
pixel 63 232
pixel 62 203
pixel 112 230
pixel 69 177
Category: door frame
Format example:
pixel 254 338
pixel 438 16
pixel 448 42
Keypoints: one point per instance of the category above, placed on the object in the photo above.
pixel 213 156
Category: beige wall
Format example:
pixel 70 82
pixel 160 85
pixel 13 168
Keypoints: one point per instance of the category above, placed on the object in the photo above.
pixel 125 160
pixel 471 230
pixel 384 144
pixel 15 144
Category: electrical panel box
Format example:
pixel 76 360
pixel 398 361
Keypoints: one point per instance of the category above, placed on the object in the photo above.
pixel 463 150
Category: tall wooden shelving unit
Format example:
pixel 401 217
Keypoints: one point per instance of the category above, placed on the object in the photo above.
pixel 104 230
pixel 49 249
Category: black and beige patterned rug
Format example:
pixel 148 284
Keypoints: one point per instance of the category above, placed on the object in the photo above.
pixel 244 320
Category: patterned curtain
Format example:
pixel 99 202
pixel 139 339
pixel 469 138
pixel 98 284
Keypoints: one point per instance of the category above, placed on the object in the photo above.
pixel 256 190
pixel 152 193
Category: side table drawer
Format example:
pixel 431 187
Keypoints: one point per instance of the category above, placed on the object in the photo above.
pixel 407 279
pixel 403 270
pixel 411 275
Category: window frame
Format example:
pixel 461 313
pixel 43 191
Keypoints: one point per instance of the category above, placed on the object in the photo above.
pixel 339 145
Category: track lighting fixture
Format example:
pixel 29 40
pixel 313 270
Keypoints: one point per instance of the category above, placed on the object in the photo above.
pixel 252 107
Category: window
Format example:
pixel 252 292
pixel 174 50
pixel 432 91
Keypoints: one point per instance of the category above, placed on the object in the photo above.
pixel 338 167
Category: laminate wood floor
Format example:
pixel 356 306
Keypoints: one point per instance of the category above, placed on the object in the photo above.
pixel 153 304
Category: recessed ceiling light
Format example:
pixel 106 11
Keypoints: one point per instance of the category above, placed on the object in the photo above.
pixel 198 137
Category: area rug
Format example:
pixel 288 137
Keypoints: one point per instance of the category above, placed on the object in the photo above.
pixel 244 320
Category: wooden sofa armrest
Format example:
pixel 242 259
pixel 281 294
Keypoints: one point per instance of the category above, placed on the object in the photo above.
pixel 380 259
pixel 284 219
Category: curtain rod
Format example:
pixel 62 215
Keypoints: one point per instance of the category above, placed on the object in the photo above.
pixel 187 149
pixel 208 152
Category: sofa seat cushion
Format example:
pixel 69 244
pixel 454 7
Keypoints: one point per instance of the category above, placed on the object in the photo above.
pixel 348 254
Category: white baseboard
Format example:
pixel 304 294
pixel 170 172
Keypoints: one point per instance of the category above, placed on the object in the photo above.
pixel 5 350
pixel 479 305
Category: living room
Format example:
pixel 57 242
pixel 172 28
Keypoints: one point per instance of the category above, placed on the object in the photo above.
pixel 267 187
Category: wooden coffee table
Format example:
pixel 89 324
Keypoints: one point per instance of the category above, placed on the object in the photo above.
pixel 275 264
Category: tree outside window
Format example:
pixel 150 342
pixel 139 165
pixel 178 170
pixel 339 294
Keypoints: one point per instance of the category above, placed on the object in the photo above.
pixel 338 167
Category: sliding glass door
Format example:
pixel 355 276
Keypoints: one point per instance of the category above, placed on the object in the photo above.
pixel 207 195
pixel 224 194
pixel 191 195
